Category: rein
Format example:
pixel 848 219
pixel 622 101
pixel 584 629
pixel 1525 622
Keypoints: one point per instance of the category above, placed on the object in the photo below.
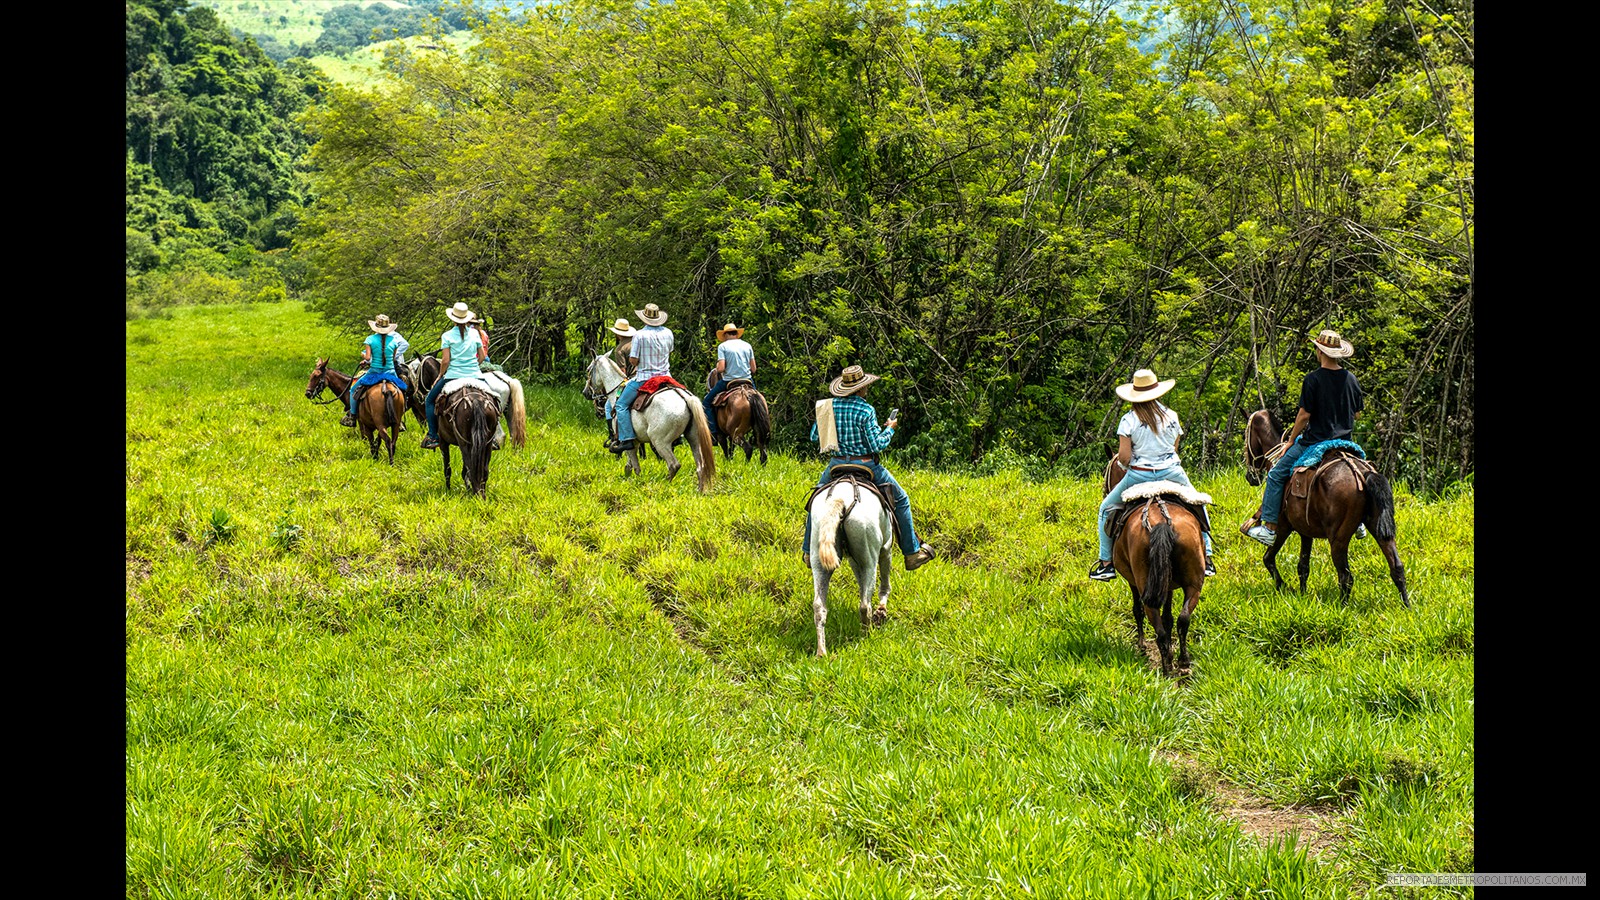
pixel 322 385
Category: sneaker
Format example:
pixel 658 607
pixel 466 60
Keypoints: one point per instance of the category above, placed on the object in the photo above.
pixel 1102 570
pixel 1263 534
pixel 430 443
pixel 348 421
pixel 1211 567
pixel 923 554
pixel 1361 531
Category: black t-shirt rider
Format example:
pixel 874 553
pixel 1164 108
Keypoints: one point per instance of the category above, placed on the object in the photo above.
pixel 1332 397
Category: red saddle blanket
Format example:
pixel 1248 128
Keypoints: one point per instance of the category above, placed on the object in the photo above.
pixel 657 382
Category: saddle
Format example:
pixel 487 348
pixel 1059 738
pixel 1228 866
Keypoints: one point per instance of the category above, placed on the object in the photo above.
pixel 648 390
pixel 1303 478
pixel 737 386
pixel 494 384
pixel 1142 496
pixel 860 478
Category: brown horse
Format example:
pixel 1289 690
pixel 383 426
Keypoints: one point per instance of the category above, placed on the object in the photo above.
pixel 468 418
pixel 379 412
pixel 742 419
pixel 1158 550
pixel 420 372
pixel 1344 493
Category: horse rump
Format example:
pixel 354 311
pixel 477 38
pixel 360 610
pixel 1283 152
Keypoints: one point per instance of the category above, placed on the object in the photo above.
pixel 827 529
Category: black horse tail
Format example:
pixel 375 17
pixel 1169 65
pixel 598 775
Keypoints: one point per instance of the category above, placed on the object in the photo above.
pixel 1158 572
pixel 760 419
pixel 392 415
pixel 475 456
pixel 1380 507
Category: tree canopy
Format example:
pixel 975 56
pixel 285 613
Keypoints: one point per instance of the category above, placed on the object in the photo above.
pixel 1003 207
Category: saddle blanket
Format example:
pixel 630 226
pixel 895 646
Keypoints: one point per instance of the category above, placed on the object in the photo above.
pixel 733 389
pixel 496 383
pixel 657 382
pixel 1157 488
pixel 1315 452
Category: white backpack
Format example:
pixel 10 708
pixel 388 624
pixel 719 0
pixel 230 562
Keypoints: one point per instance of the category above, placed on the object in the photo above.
pixel 827 431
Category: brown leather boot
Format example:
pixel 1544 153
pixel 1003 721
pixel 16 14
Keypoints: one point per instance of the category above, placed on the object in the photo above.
pixel 923 554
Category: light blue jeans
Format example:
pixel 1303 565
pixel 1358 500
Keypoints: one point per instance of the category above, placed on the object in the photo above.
pixel 902 503
pixel 624 413
pixel 1277 479
pixel 1134 476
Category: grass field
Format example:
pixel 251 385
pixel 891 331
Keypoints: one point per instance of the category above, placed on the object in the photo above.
pixel 342 681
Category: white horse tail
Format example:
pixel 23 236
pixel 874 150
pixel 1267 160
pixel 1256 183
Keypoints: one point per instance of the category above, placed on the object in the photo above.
pixel 519 414
pixel 826 530
pixel 705 461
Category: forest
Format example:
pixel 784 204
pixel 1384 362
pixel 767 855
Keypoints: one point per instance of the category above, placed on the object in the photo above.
pixel 1002 207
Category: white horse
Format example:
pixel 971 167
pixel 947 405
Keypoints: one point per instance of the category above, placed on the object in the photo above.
pixel 868 539
pixel 674 413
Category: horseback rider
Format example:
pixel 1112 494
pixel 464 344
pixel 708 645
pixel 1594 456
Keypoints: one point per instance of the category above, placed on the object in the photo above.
pixel 483 336
pixel 1147 447
pixel 649 354
pixel 381 356
pixel 860 442
pixel 619 354
pixel 1330 399
pixel 735 360
pixel 461 355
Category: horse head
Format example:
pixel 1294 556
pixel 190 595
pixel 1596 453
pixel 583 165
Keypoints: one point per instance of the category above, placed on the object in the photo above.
pixel 319 380
pixel 601 378
pixel 1261 442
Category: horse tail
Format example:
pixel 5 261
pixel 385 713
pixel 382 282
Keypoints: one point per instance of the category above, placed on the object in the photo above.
pixel 826 531
pixel 1380 507
pixel 519 414
pixel 705 461
pixel 1158 574
pixel 760 418
pixel 476 453
pixel 391 414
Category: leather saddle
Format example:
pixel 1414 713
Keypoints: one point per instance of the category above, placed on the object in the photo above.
pixel 860 478
pixel 736 386
pixel 1303 478
pixel 641 401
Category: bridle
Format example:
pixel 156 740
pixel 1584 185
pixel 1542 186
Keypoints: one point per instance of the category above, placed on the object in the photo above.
pixel 1257 463
pixel 318 384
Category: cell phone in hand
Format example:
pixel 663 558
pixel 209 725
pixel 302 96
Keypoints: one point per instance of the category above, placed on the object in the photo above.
pixel 894 413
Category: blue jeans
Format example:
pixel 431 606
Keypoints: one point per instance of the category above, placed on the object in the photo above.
pixel 370 379
pixel 1134 476
pixel 427 407
pixel 902 504
pixel 711 414
pixel 623 413
pixel 1277 479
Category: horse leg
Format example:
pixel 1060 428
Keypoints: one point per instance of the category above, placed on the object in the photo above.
pixel 1397 571
pixel 1271 559
pixel 819 603
pixel 881 614
pixel 444 450
pixel 866 579
pixel 666 453
pixel 1138 618
pixel 632 465
pixel 1339 548
pixel 763 454
pixel 1191 599
pixel 1161 624
pixel 1303 567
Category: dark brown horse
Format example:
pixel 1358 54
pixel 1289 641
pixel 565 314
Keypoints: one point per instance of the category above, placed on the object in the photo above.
pixel 468 418
pixel 1158 550
pixel 1343 493
pixel 742 419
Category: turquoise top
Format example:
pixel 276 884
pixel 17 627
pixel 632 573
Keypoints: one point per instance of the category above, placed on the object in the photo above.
pixel 385 347
pixel 463 352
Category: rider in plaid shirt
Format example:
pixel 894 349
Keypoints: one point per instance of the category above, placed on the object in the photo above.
pixel 860 442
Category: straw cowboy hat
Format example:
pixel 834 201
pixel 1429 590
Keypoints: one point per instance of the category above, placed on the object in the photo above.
pixel 729 331
pixel 382 325
pixel 851 380
pixel 621 328
pixel 651 314
pixel 1144 386
pixel 459 314
pixel 1329 342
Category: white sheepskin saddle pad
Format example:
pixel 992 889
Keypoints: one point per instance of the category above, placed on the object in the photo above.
pixel 1158 488
pixel 495 383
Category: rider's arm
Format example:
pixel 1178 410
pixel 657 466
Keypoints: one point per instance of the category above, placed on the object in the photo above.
pixel 1124 449
pixel 366 354
pixel 722 366
pixel 444 360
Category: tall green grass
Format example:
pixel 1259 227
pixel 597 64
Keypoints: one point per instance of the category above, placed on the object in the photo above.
pixel 586 685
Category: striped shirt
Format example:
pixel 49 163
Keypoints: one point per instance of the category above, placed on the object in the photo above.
pixel 652 346
pixel 857 423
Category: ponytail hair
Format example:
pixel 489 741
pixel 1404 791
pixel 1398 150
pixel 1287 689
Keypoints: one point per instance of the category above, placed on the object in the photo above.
pixel 1152 414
